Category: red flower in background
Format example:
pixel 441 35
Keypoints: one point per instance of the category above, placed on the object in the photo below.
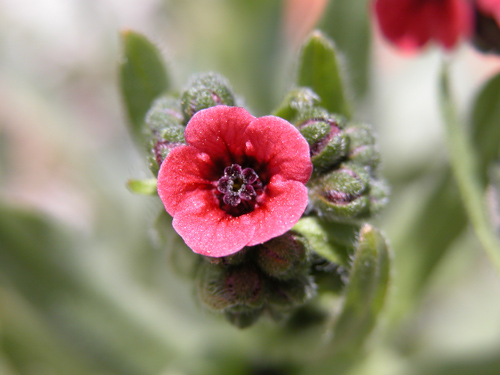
pixel 411 24
pixel 489 8
pixel 240 181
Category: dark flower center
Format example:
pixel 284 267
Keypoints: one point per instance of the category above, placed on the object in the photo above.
pixel 239 187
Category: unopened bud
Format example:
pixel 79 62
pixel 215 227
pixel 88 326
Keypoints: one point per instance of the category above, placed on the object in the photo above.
pixel 362 145
pixel 243 319
pixel 222 287
pixel 284 257
pixel 289 294
pixel 341 195
pixel 327 143
pixel 164 130
pixel 204 91
pixel 297 102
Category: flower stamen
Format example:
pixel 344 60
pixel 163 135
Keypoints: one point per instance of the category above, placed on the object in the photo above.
pixel 237 185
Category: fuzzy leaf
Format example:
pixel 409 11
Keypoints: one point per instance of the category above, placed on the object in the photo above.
pixel 365 292
pixel 143 77
pixel 320 70
pixel 318 238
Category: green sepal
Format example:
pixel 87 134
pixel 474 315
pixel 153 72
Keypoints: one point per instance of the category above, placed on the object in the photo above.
pixel 143 78
pixel 143 187
pixel 365 292
pixel 320 70
pixel 204 91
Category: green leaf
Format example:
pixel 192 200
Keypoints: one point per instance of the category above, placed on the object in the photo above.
pixel 317 236
pixel 143 77
pixel 320 70
pixel 365 293
pixel 464 163
pixel 333 241
pixel 348 23
pixel 485 122
pixel 143 187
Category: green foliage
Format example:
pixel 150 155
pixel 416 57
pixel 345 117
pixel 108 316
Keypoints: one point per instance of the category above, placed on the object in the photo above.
pixel 143 187
pixel 485 122
pixel 143 77
pixel 348 23
pixel 365 292
pixel 320 69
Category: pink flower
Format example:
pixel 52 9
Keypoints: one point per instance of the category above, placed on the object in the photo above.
pixel 411 24
pixel 239 181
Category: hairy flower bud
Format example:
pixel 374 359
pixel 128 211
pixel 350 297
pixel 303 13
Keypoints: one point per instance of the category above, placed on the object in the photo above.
pixel 341 195
pixel 327 143
pixel 243 319
pixel 204 91
pixel 283 257
pixel 362 145
pixel 164 130
pixel 296 103
pixel 221 287
pixel 348 194
pixel 287 295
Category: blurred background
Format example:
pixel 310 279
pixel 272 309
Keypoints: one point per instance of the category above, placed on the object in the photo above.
pixel 84 289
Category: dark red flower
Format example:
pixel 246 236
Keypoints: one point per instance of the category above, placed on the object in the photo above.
pixel 489 8
pixel 411 24
pixel 239 181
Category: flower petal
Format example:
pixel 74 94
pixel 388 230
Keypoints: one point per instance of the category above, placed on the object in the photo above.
pixel 277 144
pixel 282 207
pixel 219 131
pixel 208 230
pixel 410 24
pixel 185 171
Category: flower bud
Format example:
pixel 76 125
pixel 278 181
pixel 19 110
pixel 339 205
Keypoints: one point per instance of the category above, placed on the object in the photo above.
pixel 327 143
pixel 284 257
pixel 379 195
pixel 287 295
pixel 362 145
pixel 222 287
pixel 297 102
pixel 243 319
pixel 341 195
pixel 204 91
pixel 164 130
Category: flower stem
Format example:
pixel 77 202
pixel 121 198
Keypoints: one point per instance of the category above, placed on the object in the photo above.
pixel 463 160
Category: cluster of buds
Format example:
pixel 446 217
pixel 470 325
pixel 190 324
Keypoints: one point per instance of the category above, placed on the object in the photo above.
pixel 344 187
pixel 270 278
pixel 168 116
pixel 276 277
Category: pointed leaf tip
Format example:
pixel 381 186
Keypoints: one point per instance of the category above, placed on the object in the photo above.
pixel 320 70
pixel 143 77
